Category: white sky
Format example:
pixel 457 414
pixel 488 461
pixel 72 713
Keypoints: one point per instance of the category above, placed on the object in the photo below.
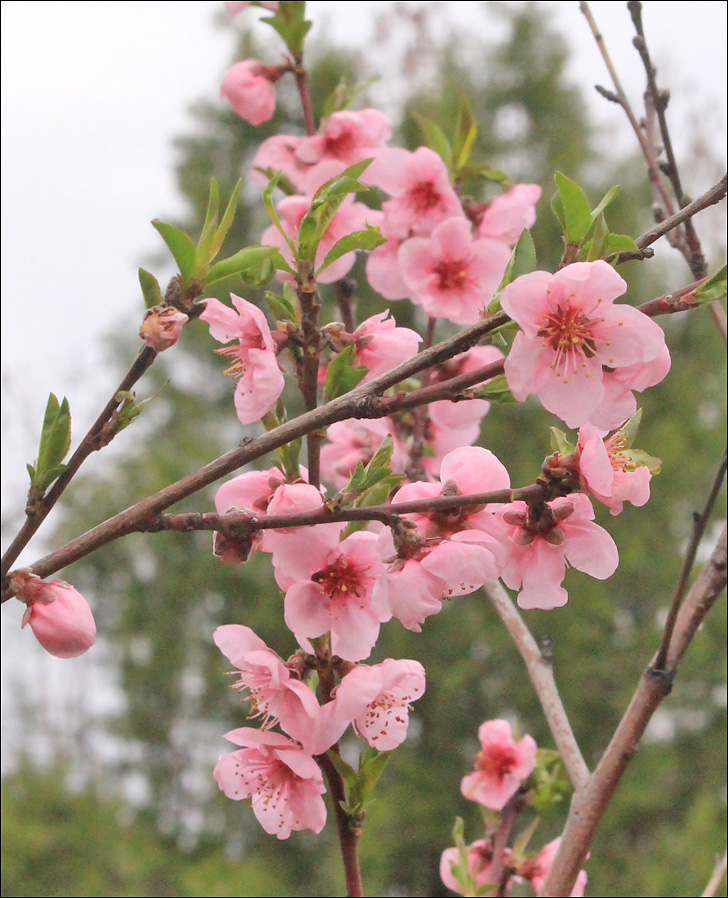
pixel 92 95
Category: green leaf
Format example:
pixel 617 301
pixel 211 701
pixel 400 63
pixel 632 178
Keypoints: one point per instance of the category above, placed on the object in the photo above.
pixel 481 170
pixel 466 131
pixel 598 246
pixel 130 408
pixel 714 289
pixel 630 428
pixel 55 441
pixel 283 308
pixel 436 139
pixel 621 243
pixel 341 375
pixel 522 261
pixel 496 390
pixel 151 291
pixel 271 209
pixel 577 217
pixel 249 258
pixel 560 443
pixel 227 220
pixel 369 239
pixel 181 246
pixel 371 767
pixel 291 25
pixel 345 771
pixel 343 95
pixel 204 245
pixel 641 459
pixel 606 200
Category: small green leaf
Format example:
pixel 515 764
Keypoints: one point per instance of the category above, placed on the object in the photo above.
pixel 560 443
pixel 282 308
pixel 630 428
pixel 621 243
pixel 227 220
pixel 435 137
pixel 151 291
pixel 271 209
pixel 641 459
pixel 577 218
pixel 496 390
pixel 522 261
pixel 598 246
pixel 481 170
pixel 202 253
pixel 55 441
pixel 606 200
pixel 181 246
pixel 369 239
pixel 291 25
pixel 466 131
pixel 251 257
pixel 714 289
pixel 343 95
pixel 341 375
pixel 346 771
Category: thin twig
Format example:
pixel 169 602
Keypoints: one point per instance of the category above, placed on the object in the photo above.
pixel 700 522
pixel 716 878
pixel 542 678
pixel 712 196
pixel 88 445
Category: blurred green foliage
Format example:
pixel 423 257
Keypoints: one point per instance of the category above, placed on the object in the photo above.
pixel 160 597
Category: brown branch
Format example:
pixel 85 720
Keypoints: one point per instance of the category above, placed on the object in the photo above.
pixel 363 402
pixel 541 675
pixel 589 805
pixel 348 834
pixel 89 444
pixel 712 196
pixel 678 301
pixel 304 93
pixel 700 522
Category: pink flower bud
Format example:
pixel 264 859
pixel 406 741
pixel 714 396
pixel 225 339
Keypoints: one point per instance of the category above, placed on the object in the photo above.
pixel 57 613
pixel 248 88
pixel 161 327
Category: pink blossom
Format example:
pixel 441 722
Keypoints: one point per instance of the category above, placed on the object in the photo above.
pixel 284 782
pixel 451 275
pixel 260 380
pixel 381 345
pixel 538 549
pixel 161 327
pixel 275 694
pixel 58 615
pixel 331 589
pixel 383 270
pixel 419 185
pixel 502 765
pixel 507 216
pixel 609 471
pixel 542 864
pixel 353 441
pixel 350 216
pixel 570 329
pixel 465 415
pixel 279 153
pixel 236 6
pixel 618 403
pixel 247 86
pixel 377 700
pixel 414 588
pixel 480 866
pixel 346 137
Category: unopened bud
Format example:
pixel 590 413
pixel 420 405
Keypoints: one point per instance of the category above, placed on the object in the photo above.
pixel 58 615
pixel 161 327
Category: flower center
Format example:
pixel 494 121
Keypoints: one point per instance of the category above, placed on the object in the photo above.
pixel 615 446
pixel 569 333
pixel 497 760
pixel 451 274
pixel 340 146
pixel 342 576
pixel 423 197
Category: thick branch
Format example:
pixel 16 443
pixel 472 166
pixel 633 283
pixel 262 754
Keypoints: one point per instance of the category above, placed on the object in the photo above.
pixel 542 678
pixel 588 806
pixel 359 403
